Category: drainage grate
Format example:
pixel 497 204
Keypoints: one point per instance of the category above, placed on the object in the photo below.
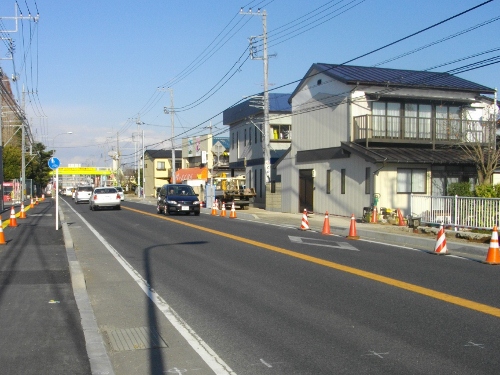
pixel 135 338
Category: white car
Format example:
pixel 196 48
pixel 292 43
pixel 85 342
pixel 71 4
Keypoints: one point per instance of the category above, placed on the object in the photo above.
pixel 104 197
pixel 83 193
pixel 120 191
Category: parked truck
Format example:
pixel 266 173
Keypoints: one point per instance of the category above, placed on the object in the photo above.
pixel 229 190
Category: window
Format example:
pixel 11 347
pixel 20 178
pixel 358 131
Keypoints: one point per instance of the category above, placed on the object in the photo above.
pixel 160 166
pixel 367 180
pixel 281 132
pixel 386 119
pixel 411 180
pixel 250 136
pixel 417 121
pixel 244 144
pixel 342 181
pixel 232 142
pixel 328 181
pixel 255 128
pixel 448 122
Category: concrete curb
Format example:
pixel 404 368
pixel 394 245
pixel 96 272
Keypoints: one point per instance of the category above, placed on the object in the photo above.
pixel 96 350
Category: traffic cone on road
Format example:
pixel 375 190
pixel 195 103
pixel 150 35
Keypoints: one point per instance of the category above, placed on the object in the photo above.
pixel 2 236
pixel 305 223
pixel 232 214
pixel 326 225
pixel 441 248
pixel 43 197
pixel 493 256
pixel 353 234
pixel 36 200
pixel 22 214
pixel 374 215
pixel 401 222
pixel 214 208
pixel 223 210
pixel 31 203
pixel 13 220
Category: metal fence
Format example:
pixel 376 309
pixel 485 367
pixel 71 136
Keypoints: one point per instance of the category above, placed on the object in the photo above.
pixel 460 212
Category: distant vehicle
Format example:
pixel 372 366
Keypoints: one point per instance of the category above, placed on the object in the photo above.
pixel 67 192
pixel 178 198
pixel 104 197
pixel 73 191
pixel 119 189
pixel 83 193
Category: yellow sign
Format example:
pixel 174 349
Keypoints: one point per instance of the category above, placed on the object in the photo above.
pixel 87 171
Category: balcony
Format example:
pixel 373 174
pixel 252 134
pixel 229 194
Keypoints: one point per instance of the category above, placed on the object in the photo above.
pixel 396 129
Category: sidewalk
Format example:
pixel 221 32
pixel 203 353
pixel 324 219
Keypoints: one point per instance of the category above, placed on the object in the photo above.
pixel 41 331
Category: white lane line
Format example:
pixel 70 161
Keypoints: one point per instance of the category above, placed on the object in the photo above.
pixel 211 358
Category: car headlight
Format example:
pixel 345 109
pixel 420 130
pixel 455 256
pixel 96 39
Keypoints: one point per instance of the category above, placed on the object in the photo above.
pixel 171 202
pixel 196 202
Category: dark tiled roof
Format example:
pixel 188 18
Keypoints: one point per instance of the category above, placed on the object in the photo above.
pixel 409 155
pixel 277 103
pixel 162 154
pixel 399 78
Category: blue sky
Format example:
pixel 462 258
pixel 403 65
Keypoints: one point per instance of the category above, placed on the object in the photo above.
pixel 94 67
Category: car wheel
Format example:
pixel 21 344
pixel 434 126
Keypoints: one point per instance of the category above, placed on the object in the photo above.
pixel 118 207
pixel 197 213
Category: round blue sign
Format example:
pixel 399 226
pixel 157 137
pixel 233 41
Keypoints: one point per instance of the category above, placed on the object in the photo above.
pixel 54 163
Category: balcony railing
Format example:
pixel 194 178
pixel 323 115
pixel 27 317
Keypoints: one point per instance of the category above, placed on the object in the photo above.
pixel 373 128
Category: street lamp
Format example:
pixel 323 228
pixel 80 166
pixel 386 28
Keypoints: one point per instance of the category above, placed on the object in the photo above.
pixel 53 140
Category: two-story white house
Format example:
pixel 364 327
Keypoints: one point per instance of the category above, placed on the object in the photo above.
pixel 246 135
pixel 364 133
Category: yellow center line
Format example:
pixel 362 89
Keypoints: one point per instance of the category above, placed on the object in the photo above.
pixel 486 309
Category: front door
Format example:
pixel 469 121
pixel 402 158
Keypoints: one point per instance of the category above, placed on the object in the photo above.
pixel 306 187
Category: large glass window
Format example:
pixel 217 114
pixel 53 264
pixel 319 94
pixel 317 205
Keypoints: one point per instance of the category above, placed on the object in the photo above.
pixel 411 180
pixel 417 121
pixel 386 119
pixel 448 124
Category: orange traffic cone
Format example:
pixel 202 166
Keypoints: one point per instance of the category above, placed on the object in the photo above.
pixel 326 225
pixel 353 234
pixel 441 248
pixel 305 223
pixel 374 215
pixel 401 222
pixel 31 203
pixel 493 256
pixel 232 214
pixel 214 208
pixel 43 197
pixel 2 236
pixel 22 214
pixel 223 210
pixel 13 220
pixel 36 200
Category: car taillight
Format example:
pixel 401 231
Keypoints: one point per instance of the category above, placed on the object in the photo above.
pixel 118 196
pixel 95 197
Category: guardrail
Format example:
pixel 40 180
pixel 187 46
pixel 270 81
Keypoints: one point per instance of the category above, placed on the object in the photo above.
pixel 459 212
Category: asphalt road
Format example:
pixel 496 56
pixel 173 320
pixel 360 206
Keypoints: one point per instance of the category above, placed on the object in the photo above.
pixel 273 299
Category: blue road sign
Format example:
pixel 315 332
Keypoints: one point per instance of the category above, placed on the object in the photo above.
pixel 54 163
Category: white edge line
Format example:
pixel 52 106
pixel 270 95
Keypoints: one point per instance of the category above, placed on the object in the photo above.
pixel 202 348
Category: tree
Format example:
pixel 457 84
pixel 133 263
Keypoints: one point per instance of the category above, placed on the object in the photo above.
pixel 11 162
pixel 479 142
pixel 38 169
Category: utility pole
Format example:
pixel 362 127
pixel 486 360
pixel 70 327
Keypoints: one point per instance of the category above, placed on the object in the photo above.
pixel 265 59
pixel 138 122
pixel 172 116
